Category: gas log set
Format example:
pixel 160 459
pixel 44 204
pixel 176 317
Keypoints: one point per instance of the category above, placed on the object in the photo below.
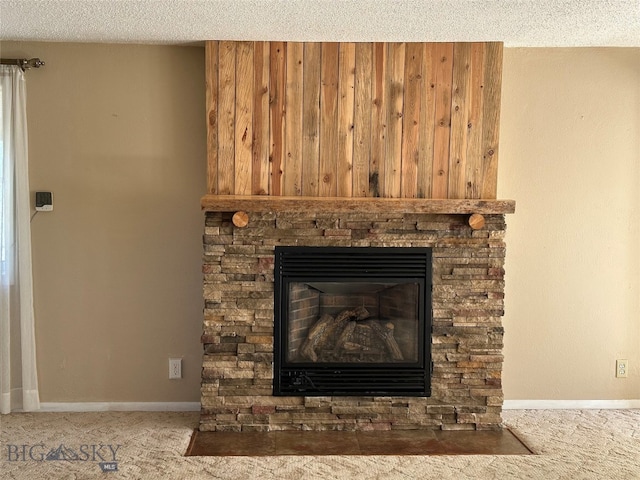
pixel 351 336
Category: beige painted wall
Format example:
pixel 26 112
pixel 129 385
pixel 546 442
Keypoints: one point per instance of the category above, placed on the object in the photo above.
pixel 117 132
pixel 570 157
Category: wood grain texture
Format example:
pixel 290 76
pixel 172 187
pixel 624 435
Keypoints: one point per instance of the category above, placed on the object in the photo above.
pixel 240 219
pixel 427 121
pixel 328 120
pixel 227 118
pixel 411 119
pixel 393 120
pixel 476 221
pixel 395 105
pixel 442 127
pixel 362 119
pixel 378 120
pixel 474 126
pixel 346 93
pixel 292 159
pixel 268 203
pixel 460 108
pixel 260 172
pixel 491 119
pixel 211 99
pixel 277 79
pixel 244 118
pixel 311 119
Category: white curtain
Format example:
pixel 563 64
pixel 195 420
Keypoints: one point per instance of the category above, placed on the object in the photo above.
pixel 18 376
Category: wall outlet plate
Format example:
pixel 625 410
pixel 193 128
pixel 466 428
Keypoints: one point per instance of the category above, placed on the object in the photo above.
pixel 175 368
pixel 622 368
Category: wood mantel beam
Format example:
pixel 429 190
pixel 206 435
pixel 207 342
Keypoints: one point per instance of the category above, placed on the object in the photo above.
pixel 266 203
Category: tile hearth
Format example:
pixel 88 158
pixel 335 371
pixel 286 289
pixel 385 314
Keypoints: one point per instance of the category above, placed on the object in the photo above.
pixel 400 442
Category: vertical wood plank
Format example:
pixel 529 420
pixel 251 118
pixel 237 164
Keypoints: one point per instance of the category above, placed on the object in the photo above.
pixel 226 118
pixel 427 121
pixel 328 120
pixel 277 77
pixel 491 118
pixel 244 118
pixel 211 97
pixel 474 127
pixel 444 72
pixel 260 167
pixel 411 119
pixel 460 108
pixel 311 119
pixel 346 93
pixel 393 150
pixel 378 120
pixel 292 166
pixel 362 119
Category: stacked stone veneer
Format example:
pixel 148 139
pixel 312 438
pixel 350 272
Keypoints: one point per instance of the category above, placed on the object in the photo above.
pixel 468 292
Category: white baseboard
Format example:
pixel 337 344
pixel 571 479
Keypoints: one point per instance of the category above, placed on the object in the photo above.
pixel 570 404
pixel 195 406
pixel 120 407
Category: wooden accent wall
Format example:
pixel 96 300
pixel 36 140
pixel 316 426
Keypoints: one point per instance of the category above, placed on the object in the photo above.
pixel 393 120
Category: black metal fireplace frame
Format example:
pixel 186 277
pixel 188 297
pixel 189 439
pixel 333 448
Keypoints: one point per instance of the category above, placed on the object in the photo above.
pixel 338 264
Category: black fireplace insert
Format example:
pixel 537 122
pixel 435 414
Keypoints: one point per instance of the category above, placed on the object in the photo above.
pixel 352 321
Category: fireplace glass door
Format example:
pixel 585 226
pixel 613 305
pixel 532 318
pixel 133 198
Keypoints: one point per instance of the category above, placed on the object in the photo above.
pixel 352 321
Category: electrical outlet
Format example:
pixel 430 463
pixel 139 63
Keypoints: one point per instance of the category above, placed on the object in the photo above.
pixel 175 368
pixel 622 368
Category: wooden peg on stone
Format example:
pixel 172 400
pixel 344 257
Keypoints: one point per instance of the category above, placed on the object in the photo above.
pixel 240 219
pixel 476 221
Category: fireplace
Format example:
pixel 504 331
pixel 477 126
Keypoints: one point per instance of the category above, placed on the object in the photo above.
pixel 352 146
pixel 352 321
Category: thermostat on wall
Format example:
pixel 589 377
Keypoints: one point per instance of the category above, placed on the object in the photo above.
pixel 44 201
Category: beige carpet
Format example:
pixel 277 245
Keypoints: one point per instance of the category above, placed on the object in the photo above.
pixel 571 444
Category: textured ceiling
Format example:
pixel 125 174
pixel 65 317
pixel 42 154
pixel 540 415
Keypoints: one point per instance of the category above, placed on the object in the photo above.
pixel 538 23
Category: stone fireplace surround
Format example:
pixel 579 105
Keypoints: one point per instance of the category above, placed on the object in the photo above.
pixel 467 332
